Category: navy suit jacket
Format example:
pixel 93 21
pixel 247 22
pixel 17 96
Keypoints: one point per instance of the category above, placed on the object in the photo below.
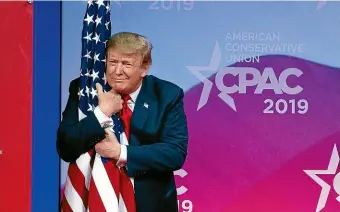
pixel 157 147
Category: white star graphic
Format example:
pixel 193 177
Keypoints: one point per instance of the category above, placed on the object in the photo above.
pixel 107 26
pixel 81 93
pixel 88 55
pixel 90 107
pixel 107 9
pixel 87 73
pixel 325 188
pixel 207 85
pixel 88 37
pixel 104 78
pixel 96 38
pixel 94 75
pixel 98 20
pixel 93 93
pixel 89 19
pixel 100 3
pixel 96 57
pixel 90 3
pixel 87 91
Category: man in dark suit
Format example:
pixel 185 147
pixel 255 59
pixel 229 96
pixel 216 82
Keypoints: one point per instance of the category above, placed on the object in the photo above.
pixel 158 135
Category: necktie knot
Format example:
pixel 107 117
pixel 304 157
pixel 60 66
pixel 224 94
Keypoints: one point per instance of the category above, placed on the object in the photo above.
pixel 126 98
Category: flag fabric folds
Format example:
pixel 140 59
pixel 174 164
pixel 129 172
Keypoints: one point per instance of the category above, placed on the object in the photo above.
pixel 93 183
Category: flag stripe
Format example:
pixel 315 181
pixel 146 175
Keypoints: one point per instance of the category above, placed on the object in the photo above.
pixel 65 207
pixel 83 165
pixel 122 206
pixel 104 185
pixel 113 173
pixel 72 197
pixel 77 181
pixel 127 191
pixel 95 203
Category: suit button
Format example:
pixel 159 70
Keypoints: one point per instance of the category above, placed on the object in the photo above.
pixel 137 174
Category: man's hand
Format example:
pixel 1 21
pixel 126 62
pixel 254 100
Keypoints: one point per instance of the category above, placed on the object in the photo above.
pixel 109 147
pixel 109 102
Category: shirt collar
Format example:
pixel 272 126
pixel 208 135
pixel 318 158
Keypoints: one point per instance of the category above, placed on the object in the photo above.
pixel 134 94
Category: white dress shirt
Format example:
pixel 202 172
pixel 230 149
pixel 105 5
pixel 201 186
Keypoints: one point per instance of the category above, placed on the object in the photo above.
pixel 102 118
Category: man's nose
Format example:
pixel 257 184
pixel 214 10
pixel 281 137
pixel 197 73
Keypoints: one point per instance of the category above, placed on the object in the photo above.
pixel 119 69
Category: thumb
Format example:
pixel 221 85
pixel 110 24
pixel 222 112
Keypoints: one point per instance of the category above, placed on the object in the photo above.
pixel 109 132
pixel 99 88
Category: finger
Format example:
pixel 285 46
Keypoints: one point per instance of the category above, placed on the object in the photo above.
pixel 109 132
pixel 113 91
pixel 99 88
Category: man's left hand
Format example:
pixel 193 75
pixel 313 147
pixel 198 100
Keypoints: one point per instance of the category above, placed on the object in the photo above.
pixel 109 147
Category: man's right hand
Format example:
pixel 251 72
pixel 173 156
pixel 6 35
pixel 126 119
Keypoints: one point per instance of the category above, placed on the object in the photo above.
pixel 109 102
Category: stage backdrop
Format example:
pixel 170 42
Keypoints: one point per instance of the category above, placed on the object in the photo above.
pixel 262 97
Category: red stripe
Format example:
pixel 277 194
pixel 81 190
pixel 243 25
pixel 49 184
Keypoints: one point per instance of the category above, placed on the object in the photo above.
pixel 16 108
pixel 78 182
pixel 95 202
pixel 127 192
pixel 114 175
pixel 65 207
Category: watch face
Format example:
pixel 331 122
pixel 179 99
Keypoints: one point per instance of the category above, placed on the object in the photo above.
pixel 107 124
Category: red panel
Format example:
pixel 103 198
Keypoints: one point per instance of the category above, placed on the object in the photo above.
pixel 16 27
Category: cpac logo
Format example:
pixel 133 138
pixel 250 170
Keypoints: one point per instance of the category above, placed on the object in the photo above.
pixel 181 173
pixel 325 188
pixel 262 81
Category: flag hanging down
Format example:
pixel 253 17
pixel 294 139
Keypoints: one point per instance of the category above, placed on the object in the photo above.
pixel 94 183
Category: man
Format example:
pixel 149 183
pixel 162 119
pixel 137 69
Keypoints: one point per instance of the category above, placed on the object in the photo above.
pixel 158 135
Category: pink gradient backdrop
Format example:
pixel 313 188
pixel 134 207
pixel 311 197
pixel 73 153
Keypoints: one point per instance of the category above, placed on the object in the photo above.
pixel 250 161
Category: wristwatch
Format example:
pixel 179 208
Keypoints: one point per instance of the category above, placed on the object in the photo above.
pixel 107 124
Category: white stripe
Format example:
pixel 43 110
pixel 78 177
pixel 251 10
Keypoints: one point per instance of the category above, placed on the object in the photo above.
pixel 122 207
pixel 72 197
pixel 133 183
pixel 104 187
pixel 124 141
pixel 83 163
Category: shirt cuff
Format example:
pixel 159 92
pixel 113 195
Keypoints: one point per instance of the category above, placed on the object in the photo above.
pixel 122 157
pixel 103 119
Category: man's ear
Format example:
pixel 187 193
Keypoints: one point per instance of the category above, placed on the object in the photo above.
pixel 144 70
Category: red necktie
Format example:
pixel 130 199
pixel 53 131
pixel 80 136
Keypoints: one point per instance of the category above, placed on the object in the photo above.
pixel 126 186
pixel 125 116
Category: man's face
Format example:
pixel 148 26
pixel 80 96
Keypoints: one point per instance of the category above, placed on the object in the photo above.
pixel 124 72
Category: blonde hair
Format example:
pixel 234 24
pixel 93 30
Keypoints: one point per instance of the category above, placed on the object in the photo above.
pixel 132 43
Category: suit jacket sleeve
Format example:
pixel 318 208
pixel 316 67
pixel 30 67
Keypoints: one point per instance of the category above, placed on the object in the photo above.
pixel 76 137
pixel 170 152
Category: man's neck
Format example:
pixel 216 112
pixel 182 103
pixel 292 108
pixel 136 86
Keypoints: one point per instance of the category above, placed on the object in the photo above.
pixel 135 93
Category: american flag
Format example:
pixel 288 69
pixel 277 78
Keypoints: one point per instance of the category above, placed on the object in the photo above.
pixel 94 183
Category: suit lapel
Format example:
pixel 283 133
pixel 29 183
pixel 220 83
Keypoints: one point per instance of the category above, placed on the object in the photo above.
pixel 142 108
